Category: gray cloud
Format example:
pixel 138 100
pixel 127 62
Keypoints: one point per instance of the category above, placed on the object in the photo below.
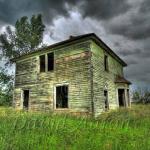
pixel 135 29
pixel 145 7
pixel 104 9
pixel 139 72
pixel 127 52
pixel 132 62
pixel 11 10
pixel 135 25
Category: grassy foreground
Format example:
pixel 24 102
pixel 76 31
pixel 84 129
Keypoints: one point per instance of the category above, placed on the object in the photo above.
pixel 124 129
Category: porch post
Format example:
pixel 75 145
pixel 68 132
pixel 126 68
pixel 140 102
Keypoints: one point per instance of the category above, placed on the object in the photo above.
pixel 126 98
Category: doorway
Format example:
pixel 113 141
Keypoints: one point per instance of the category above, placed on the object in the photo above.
pixel 121 97
pixel 25 99
pixel 62 96
pixel 106 100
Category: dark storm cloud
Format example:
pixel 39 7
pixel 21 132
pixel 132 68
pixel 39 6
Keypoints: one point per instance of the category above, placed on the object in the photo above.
pixel 11 10
pixel 132 62
pixel 139 72
pixel 136 26
pixel 127 52
pixel 145 6
pixel 104 9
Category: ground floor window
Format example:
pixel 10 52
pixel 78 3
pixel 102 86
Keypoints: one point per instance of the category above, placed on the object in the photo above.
pixel 106 100
pixel 62 96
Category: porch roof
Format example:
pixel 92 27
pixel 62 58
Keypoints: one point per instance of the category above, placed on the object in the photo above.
pixel 121 79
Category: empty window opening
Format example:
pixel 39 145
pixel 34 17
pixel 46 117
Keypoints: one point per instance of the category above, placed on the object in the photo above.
pixel 26 99
pixel 62 96
pixel 42 63
pixel 128 97
pixel 50 61
pixel 106 100
pixel 106 62
pixel 121 97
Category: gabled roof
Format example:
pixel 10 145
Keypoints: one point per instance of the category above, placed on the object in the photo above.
pixel 91 36
pixel 120 79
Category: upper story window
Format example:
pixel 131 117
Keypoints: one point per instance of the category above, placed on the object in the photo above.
pixel 106 62
pixel 50 58
pixel 47 62
pixel 42 63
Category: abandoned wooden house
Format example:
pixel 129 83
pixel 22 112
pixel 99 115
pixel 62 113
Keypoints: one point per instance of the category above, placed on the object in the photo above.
pixel 81 75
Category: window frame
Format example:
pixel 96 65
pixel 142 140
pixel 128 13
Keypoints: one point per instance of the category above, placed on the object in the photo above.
pixel 46 62
pixel 54 103
pixel 106 65
pixel 40 63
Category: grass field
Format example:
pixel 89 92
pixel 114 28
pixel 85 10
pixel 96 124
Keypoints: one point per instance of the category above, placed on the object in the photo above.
pixel 124 129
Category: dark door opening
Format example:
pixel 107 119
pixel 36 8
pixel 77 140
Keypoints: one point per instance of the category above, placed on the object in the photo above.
pixel 121 97
pixel 25 99
pixel 106 100
pixel 62 96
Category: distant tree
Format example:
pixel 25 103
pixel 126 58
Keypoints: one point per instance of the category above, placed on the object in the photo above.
pixel 141 95
pixel 26 37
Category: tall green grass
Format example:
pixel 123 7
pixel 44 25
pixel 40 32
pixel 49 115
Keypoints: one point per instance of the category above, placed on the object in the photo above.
pixel 123 129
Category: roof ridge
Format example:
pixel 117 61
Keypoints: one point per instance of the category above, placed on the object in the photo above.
pixel 92 35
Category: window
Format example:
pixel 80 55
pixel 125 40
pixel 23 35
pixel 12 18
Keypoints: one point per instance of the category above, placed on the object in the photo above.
pixel 50 57
pixel 42 63
pixel 62 96
pixel 106 100
pixel 106 62
pixel 47 62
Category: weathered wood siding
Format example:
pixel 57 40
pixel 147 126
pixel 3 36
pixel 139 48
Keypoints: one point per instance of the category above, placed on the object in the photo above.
pixel 104 80
pixel 78 64
pixel 72 64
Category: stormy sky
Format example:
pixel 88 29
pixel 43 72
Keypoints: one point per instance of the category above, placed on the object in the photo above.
pixel 124 25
